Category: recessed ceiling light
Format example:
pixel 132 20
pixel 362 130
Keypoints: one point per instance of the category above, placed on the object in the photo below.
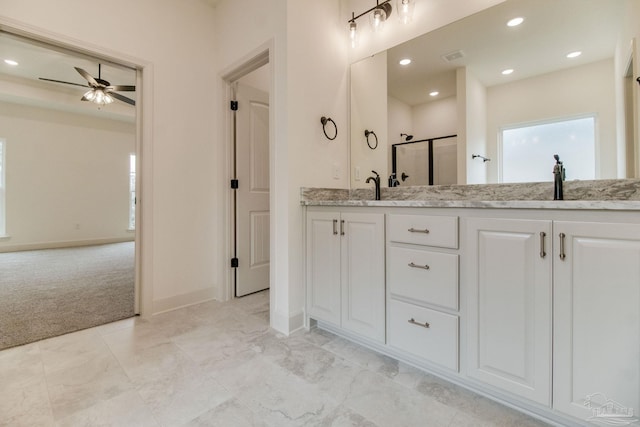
pixel 434 93
pixel 405 61
pixel 507 71
pixel 574 54
pixel 515 21
pixel 10 62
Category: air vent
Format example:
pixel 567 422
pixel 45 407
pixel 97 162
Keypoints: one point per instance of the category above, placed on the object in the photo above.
pixel 453 56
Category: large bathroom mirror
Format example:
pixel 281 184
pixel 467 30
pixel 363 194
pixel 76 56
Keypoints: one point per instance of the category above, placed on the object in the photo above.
pixel 505 126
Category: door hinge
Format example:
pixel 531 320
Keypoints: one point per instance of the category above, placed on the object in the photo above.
pixel 234 105
pixel 234 262
pixel 234 184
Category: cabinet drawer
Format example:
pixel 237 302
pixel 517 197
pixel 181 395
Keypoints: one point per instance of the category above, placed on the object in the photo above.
pixel 437 343
pixel 441 231
pixel 426 276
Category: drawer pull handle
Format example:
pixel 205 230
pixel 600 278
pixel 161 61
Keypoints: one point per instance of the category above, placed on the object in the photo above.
pixel 335 227
pixel 424 267
pixel 415 230
pixel 562 254
pixel 342 227
pixel 543 253
pixel 424 325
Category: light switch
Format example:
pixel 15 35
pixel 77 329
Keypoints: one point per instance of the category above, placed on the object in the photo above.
pixel 356 173
pixel 336 171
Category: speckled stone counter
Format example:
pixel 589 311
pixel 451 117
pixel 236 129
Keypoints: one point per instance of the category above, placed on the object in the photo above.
pixel 615 194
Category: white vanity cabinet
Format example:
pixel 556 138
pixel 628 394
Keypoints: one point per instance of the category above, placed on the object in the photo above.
pixel 422 287
pixel 345 271
pixel 596 318
pixel 509 313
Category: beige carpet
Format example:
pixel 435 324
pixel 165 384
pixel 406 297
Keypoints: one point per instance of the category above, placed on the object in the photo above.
pixel 51 292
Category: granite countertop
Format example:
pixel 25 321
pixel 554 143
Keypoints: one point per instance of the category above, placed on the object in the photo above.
pixel 616 194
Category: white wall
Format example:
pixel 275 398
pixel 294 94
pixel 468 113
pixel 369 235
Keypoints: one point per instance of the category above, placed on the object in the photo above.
pixel 369 112
pixel 400 121
pixel 174 41
pixel 535 99
pixel 309 63
pixel 67 177
pixel 628 49
pixel 436 118
pixel 475 141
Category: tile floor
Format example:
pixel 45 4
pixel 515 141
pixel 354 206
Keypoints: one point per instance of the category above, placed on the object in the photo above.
pixel 218 364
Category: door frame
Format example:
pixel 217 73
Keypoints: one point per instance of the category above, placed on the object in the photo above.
pixel 261 56
pixel 143 263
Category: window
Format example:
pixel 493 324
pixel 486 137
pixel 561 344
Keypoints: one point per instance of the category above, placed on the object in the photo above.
pixel 132 191
pixel 3 221
pixel 527 151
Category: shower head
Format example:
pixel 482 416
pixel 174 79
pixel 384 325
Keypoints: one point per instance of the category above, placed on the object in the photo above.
pixel 407 137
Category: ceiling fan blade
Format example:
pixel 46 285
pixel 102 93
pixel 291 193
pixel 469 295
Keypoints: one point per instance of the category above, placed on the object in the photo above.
pixel 88 77
pixel 122 98
pixel 60 81
pixel 121 88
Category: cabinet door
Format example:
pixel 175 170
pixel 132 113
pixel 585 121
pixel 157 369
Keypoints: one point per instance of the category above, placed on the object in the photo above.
pixel 363 274
pixel 509 305
pixel 323 266
pixel 597 319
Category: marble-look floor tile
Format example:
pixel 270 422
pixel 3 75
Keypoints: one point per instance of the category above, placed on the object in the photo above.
pixel 25 403
pixel 227 414
pixel 364 357
pixel 343 417
pixel 79 387
pixel 74 349
pixel 277 396
pixel 316 336
pixel 387 403
pixel 126 409
pixel 182 395
pixel 20 365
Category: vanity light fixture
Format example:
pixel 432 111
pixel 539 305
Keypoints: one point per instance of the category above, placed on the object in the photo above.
pixel 405 10
pixel 574 54
pixel 379 14
pixel 515 21
pixel 11 62
pixel 507 71
pixel 405 61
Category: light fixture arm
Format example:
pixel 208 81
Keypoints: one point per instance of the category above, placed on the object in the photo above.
pixel 377 6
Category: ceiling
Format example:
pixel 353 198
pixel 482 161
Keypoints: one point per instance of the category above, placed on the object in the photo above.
pixel 21 83
pixel 551 29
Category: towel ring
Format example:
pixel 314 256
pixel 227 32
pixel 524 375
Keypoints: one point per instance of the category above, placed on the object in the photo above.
pixel 370 132
pixel 324 121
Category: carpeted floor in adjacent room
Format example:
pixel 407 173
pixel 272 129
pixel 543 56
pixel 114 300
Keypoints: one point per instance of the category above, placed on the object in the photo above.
pixel 51 292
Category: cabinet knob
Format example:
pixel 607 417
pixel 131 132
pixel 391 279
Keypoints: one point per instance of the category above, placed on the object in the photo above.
pixel 424 325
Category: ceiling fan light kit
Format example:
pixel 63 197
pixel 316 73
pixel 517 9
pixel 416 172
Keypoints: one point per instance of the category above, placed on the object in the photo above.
pixel 100 92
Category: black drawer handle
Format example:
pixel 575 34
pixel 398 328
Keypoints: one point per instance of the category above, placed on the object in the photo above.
pixel 424 325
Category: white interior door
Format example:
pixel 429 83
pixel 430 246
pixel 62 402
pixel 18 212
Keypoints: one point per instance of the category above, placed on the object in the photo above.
pixel 252 195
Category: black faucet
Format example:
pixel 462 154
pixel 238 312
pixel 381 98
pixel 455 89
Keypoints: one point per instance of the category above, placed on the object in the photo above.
pixel 376 181
pixel 558 177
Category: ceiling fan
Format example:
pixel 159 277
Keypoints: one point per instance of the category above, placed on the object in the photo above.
pixel 100 91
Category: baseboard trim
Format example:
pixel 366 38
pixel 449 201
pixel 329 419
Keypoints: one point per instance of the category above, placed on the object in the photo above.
pixel 64 244
pixel 287 323
pixel 183 300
